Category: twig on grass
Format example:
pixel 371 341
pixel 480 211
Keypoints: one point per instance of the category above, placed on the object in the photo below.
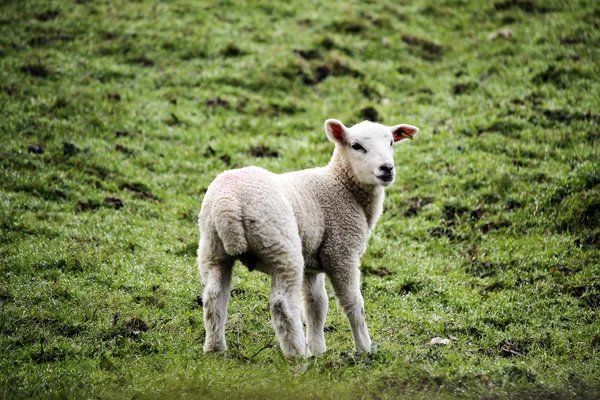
pixel 267 346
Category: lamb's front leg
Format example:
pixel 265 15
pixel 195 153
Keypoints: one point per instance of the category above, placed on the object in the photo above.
pixel 315 310
pixel 346 284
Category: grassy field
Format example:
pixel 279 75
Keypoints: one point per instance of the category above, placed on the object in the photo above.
pixel 116 116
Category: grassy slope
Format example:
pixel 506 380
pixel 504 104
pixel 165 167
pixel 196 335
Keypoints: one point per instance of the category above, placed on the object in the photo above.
pixel 490 236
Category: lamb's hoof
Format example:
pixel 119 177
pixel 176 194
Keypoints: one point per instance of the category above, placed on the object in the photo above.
pixel 316 351
pixel 299 365
pixel 212 350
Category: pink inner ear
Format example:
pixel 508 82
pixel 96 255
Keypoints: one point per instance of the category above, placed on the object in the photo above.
pixel 407 129
pixel 337 131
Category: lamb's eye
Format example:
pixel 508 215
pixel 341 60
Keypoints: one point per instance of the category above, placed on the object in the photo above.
pixel 391 143
pixel 358 147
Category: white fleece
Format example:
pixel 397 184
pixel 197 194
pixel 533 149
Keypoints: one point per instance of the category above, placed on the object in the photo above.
pixel 297 227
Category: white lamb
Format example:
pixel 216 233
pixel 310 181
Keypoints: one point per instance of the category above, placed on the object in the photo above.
pixel 297 227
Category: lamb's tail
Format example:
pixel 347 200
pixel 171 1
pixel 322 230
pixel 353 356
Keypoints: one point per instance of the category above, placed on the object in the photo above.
pixel 227 213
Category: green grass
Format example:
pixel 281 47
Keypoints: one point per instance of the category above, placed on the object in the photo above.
pixel 490 237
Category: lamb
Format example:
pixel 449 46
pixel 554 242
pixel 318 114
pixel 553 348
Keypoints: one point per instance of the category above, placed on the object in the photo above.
pixel 299 227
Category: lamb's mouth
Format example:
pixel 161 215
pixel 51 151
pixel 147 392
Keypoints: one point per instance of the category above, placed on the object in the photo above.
pixel 386 178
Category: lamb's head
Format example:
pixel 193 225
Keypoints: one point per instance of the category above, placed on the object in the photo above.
pixel 367 148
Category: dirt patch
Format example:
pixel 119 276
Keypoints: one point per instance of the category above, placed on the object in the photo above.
pixel 416 203
pixel 453 212
pixel 217 102
pixel 528 6
pixel 380 272
pixel 560 76
pixel 124 149
pixel 90 205
pixel 127 133
pixel 569 40
pixel 262 151
pixel 369 92
pixel 108 76
pixel 231 50
pixel 513 347
pixel 312 54
pixel 139 189
pixel 505 127
pixel 226 158
pixel 190 249
pixel 71 265
pixel 565 116
pixel 403 70
pixel 512 204
pixel 321 73
pixel 589 295
pixel 580 211
pixel 560 269
pixel 174 120
pixel 115 97
pixel 209 152
pixel 423 48
pixel 494 287
pixel 492 226
pixel 70 149
pixel 142 61
pixel 349 26
pixel 483 269
pixel 425 90
pixel 410 286
pixel 370 114
pixel 114 202
pixel 442 231
pixel 341 69
pixel 276 109
pixel 50 355
pixel 464 88
pixel 36 70
pixel 48 15
pixel 135 327
pixel 476 214
pixel 149 300
pixel 197 303
pixel 498 322
pixel 327 43
pixel 593 239
pixel 50 37
pixel 34 149
pixel 592 137
pixel 596 342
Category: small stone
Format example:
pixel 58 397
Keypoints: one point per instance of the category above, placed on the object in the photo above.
pixel 504 33
pixel 438 341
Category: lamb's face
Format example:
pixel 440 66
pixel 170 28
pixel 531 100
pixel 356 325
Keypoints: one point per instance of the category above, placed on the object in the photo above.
pixel 368 148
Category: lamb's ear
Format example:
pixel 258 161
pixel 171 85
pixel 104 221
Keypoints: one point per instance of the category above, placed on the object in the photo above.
pixel 404 131
pixel 336 131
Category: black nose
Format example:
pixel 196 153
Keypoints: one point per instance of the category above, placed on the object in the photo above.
pixel 386 168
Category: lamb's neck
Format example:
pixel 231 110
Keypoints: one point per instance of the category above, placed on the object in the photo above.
pixel 369 197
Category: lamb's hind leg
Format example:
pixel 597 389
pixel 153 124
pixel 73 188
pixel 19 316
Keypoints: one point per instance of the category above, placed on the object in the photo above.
pixel 315 310
pixel 215 271
pixel 285 308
